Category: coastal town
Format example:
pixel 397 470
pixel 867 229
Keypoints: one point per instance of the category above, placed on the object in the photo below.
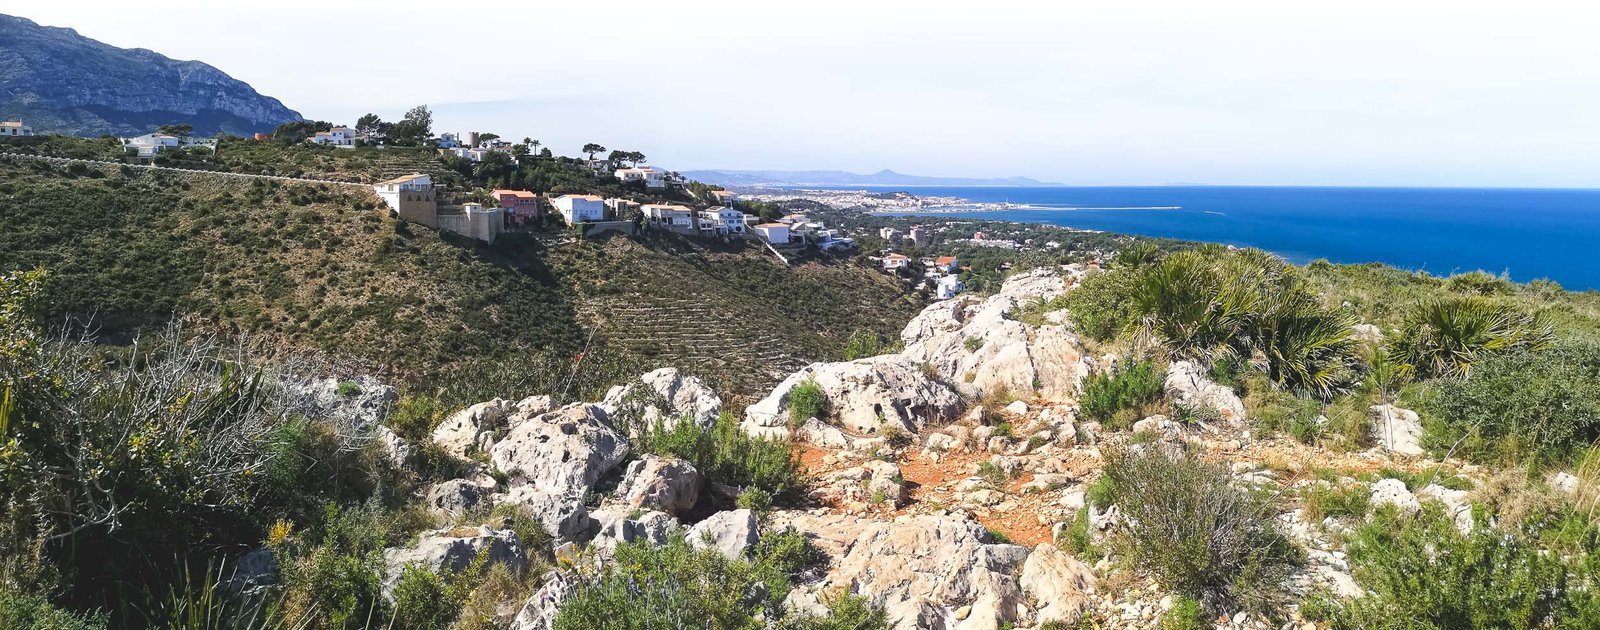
pixel 659 201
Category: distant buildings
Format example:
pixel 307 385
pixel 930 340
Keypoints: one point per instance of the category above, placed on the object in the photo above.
pixel 14 129
pixel 447 141
pixel 724 197
pixel 892 235
pixel 521 206
pixel 947 264
pixel 895 261
pixel 580 208
pixel 619 208
pixel 919 234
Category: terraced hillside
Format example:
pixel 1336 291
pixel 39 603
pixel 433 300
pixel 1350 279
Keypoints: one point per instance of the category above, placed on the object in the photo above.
pixel 734 315
pixel 324 267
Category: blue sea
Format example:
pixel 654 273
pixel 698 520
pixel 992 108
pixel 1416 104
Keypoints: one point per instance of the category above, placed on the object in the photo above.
pixel 1528 233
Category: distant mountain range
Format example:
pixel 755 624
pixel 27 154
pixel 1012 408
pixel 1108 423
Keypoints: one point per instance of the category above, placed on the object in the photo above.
pixel 841 178
pixel 58 81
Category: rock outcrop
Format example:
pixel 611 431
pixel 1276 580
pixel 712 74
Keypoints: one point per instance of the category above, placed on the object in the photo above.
pixel 732 533
pixel 925 571
pixel 475 428
pixel 661 483
pixel 453 549
pixel 1397 430
pixel 978 342
pixel 864 396
pixel 361 404
pixel 1060 584
pixel 1187 384
pixel 563 451
pixel 665 395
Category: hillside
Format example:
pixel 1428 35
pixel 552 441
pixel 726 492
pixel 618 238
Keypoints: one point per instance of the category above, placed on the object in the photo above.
pixel 321 267
pixel 58 81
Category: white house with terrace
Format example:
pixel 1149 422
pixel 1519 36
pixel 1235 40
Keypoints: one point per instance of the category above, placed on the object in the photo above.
pixel 342 137
pixel 580 208
pixel 14 129
pixel 651 177
pixel 722 219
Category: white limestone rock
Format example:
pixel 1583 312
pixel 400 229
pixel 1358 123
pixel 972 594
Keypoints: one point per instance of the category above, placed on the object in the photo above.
pixel 864 396
pixel 1397 430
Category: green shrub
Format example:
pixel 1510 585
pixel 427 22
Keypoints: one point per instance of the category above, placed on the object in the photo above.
pixel 1131 385
pixel 414 417
pixel 31 611
pixel 1102 307
pixel 1444 337
pixel 755 500
pixel 331 575
pixel 1423 573
pixel 726 454
pixel 422 601
pixel 863 344
pixel 997 537
pixel 1197 533
pixel 676 586
pixel 806 401
pixel 1102 493
pixel 1185 614
pixel 845 612
pixel 1078 539
pixel 1319 502
pixel 1519 403
pixel 972 344
pixel 349 388
pixel 992 474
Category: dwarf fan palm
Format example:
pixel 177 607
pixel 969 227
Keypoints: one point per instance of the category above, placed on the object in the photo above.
pixel 1444 337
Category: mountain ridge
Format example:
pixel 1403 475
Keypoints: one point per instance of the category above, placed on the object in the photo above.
pixel 885 177
pixel 56 80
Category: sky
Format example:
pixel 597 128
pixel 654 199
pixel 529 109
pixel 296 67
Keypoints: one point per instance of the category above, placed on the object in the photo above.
pixel 1395 93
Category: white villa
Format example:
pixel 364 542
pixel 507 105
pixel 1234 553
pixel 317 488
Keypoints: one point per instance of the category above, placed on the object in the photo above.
pixel 651 177
pixel 580 208
pixel 342 137
pixel 669 215
pixel 447 140
pixel 895 261
pixel 722 219
pixel 150 144
pixel 14 128
pixel 950 286
pixel 724 196
pixel 775 233
pixel 399 189
pixel 619 208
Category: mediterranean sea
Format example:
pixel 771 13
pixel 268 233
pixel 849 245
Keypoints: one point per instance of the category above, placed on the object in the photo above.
pixel 1526 233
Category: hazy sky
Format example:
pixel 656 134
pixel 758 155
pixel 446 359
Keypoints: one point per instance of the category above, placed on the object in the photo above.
pixel 1351 92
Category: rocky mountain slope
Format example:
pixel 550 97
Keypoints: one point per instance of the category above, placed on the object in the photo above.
pixel 58 81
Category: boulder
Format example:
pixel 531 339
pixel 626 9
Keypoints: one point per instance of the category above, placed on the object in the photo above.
pixel 1394 492
pixel 864 396
pixel 455 497
pixel 1040 284
pixel 1397 430
pixel 563 515
pixel 1188 385
pixel 920 569
pixel 661 483
pixel 252 573
pixel 364 406
pixel 1456 504
pixel 463 431
pixel 665 395
pixel 1061 585
pixel 732 532
pixel 1367 333
pixel 563 452
pixel 872 481
pixel 453 549
pixel 618 526
pixel 539 612
pixel 395 448
pixel 1047 361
